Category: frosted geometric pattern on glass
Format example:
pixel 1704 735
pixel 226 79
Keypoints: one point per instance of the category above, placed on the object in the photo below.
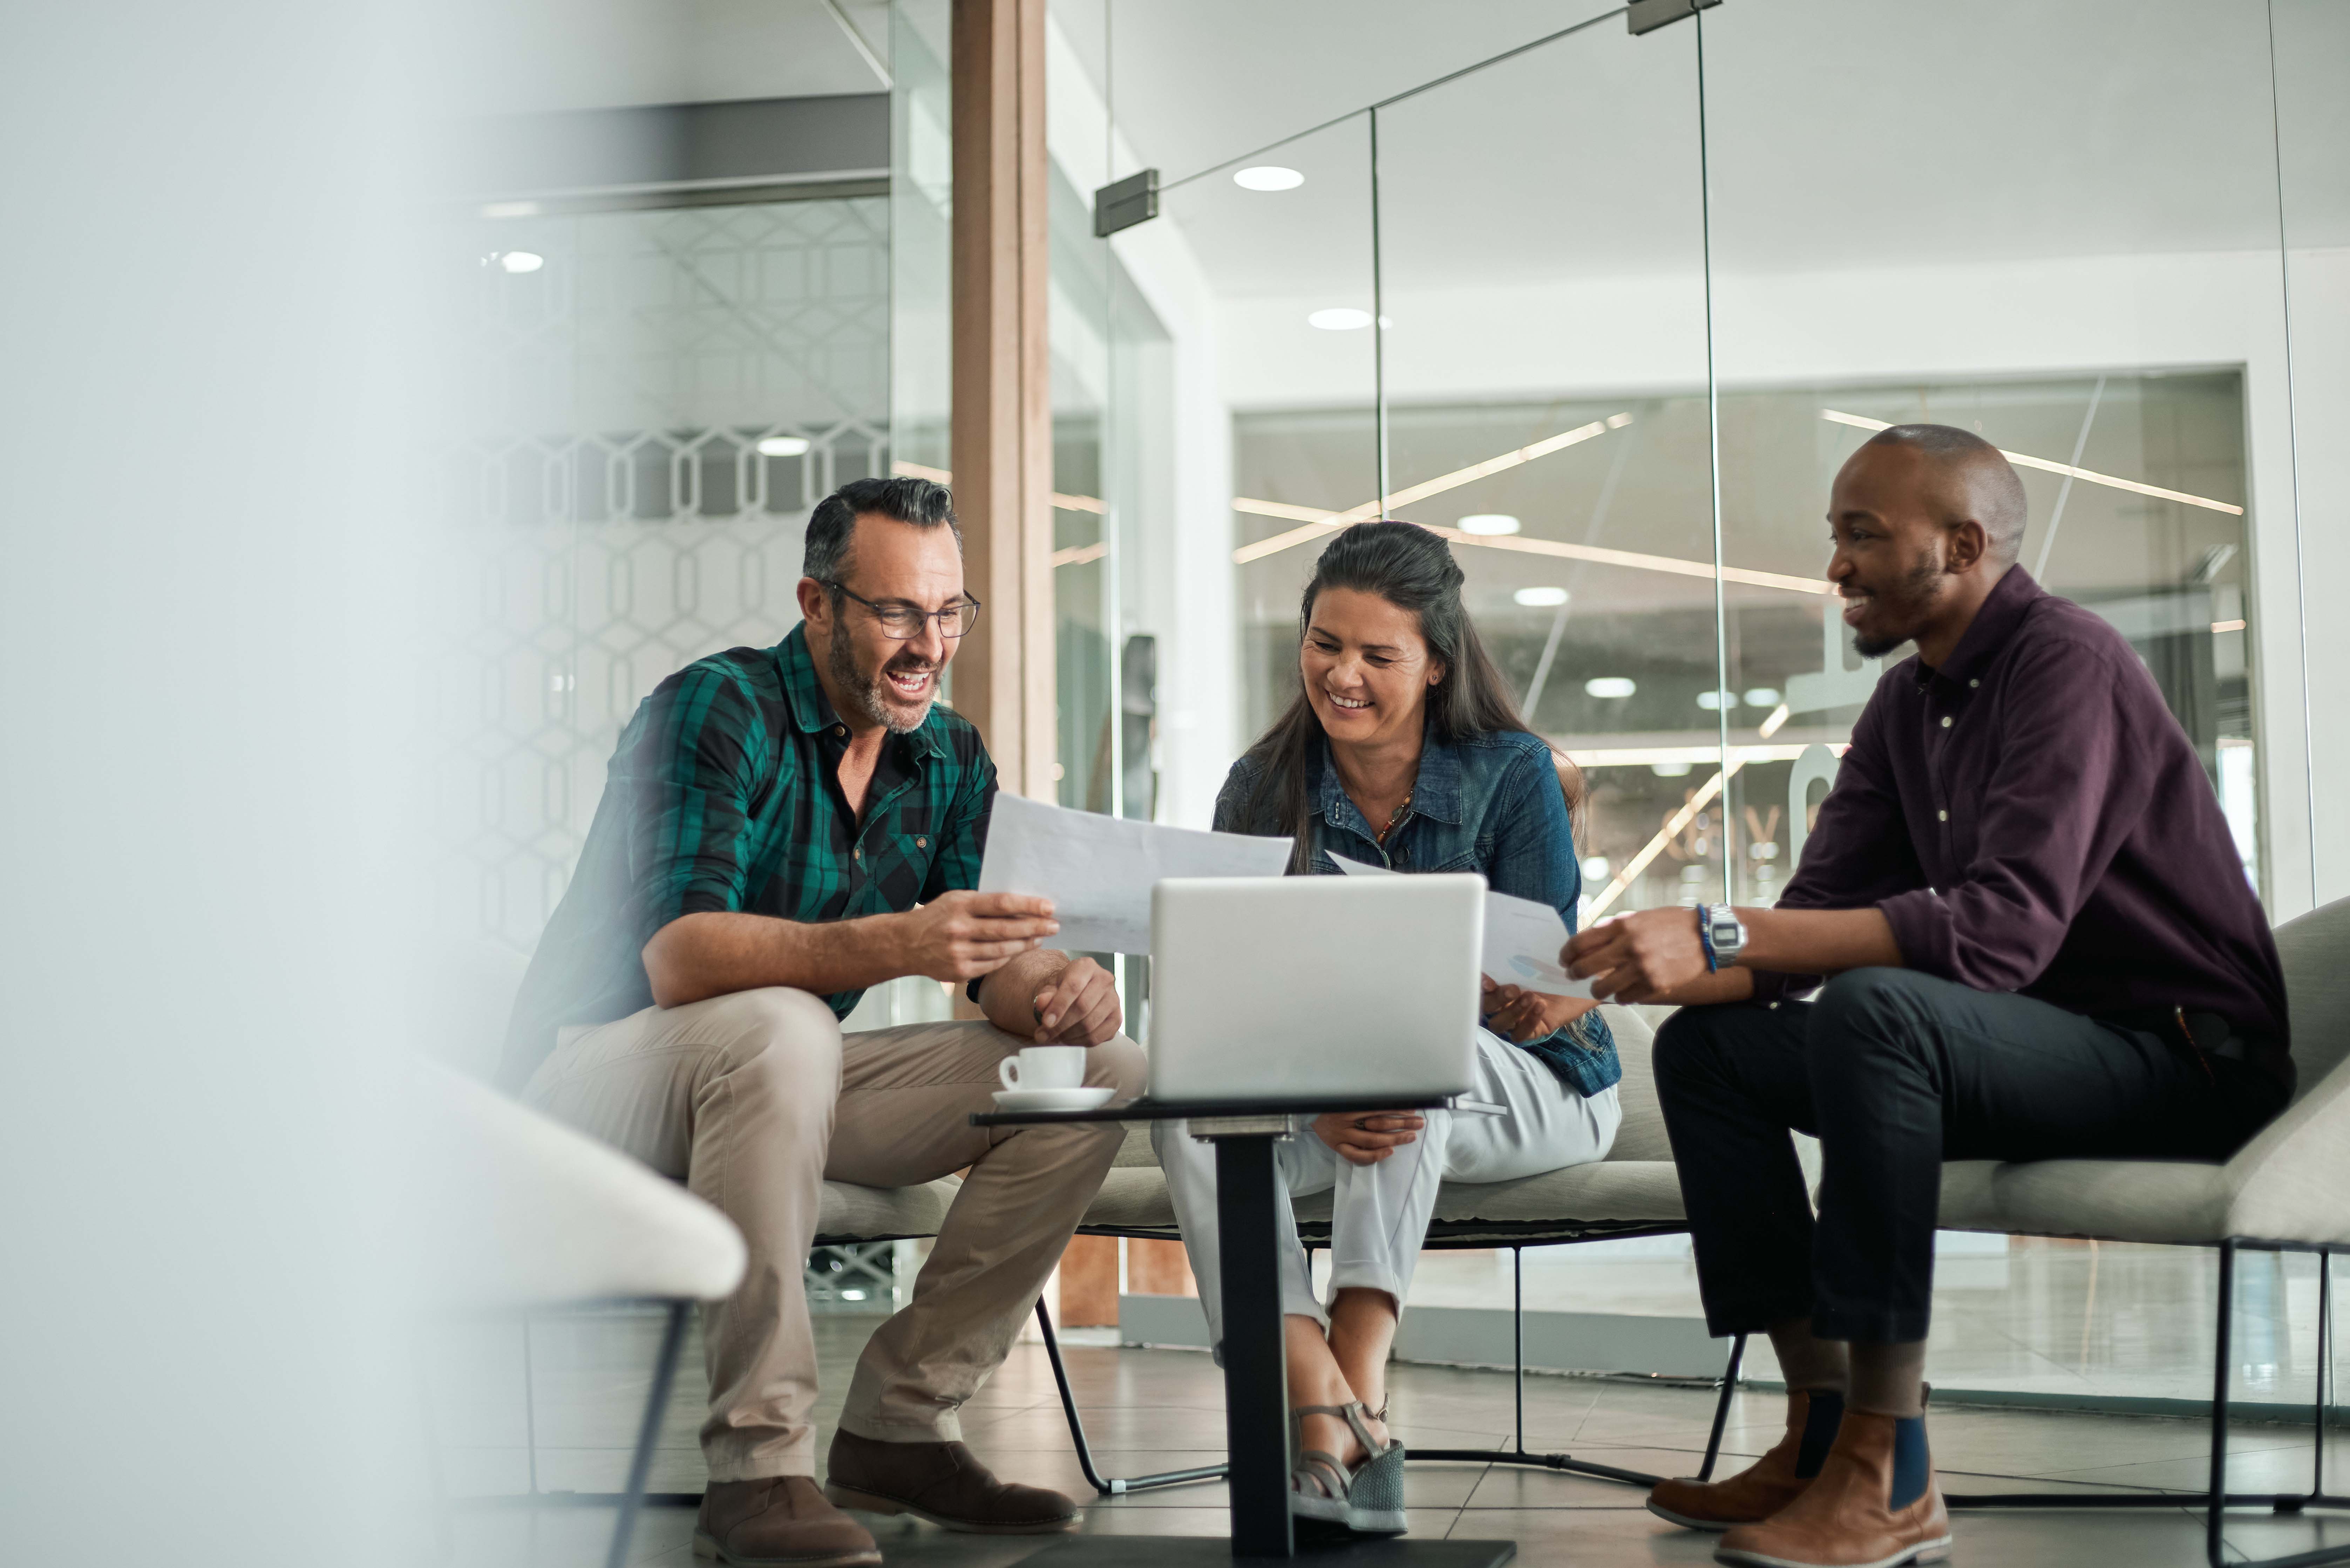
pixel 620 513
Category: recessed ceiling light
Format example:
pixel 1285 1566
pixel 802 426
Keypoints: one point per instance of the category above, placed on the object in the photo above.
pixel 1715 702
pixel 1489 523
pixel 784 446
pixel 1339 319
pixel 1610 685
pixel 1268 177
pixel 1761 697
pixel 519 261
pixel 1670 770
pixel 1541 599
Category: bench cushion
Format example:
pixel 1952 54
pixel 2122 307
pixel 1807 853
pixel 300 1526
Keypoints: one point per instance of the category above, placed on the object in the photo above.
pixel 1559 1205
pixel 854 1213
pixel 1634 1186
pixel 1640 1136
pixel 2177 1202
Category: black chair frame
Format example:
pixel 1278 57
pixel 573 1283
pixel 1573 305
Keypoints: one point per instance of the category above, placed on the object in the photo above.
pixel 2216 1497
pixel 1443 1236
pixel 632 1501
pixel 665 1377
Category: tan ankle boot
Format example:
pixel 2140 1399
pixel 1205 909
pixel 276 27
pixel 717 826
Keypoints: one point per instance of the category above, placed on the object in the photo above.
pixel 1750 1496
pixel 1845 1518
pixel 781 1522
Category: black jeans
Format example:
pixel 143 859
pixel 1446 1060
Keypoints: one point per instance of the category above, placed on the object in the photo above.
pixel 1895 1072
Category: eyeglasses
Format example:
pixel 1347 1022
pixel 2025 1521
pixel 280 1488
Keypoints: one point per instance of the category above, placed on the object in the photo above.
pixel 904 621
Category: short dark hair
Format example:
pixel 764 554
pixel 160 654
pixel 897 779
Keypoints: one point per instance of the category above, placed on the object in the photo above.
pixel 832 526
pixel 1979 478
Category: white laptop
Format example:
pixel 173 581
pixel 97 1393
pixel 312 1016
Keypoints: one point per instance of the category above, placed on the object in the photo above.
pixel 1271 988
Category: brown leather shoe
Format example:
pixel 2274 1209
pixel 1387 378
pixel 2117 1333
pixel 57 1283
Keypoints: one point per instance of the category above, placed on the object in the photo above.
pixel 784 1520
pixel 943 1482
pixel 1845 1518
pixel 1750 1496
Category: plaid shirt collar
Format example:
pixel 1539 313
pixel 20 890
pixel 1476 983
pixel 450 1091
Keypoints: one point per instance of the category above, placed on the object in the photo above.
pixel 812 711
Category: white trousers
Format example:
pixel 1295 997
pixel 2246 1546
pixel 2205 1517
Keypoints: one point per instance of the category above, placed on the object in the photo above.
pixel 1380 1214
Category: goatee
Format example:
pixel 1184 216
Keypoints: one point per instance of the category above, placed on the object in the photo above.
pixel 1909 600
pixel 869 693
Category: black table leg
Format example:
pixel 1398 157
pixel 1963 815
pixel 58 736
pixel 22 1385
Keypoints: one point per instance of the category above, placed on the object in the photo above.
pixel 1256 1364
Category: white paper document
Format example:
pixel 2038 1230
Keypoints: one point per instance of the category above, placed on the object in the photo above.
pixel 1100 870
pixel 1522 939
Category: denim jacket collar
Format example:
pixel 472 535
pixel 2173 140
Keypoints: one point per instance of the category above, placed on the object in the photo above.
pixel 1435 790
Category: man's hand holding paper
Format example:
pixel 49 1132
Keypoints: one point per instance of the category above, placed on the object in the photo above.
pixel 1098 871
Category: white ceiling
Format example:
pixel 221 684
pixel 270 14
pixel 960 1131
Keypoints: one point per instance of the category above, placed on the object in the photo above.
pixel 1841 133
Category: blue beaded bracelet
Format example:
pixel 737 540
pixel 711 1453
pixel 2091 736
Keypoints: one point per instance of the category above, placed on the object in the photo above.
pixel 1705 940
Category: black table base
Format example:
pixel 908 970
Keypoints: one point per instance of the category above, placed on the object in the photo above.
pixel 1256 1372
pixel 1215 1552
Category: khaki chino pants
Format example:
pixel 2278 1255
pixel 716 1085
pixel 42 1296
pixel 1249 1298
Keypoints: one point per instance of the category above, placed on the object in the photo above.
pixel 754 1100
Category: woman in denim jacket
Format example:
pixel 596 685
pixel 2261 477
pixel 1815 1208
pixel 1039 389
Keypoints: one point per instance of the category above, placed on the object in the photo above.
pixel 1403 751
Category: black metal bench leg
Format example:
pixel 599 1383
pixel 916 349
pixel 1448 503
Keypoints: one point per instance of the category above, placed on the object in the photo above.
pixel 1722 1407
pixel 1110 1486
pixel 1516 1453
pixel 2215 1504
pixel 2324 1368
pixel 2217 1499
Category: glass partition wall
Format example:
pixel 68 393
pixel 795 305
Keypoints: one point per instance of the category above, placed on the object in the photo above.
pixel 1610 311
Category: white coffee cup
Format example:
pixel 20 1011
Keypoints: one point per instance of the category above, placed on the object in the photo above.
pixel 1044 1067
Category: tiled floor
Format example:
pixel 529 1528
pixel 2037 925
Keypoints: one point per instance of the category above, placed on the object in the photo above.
pixel 1162 1409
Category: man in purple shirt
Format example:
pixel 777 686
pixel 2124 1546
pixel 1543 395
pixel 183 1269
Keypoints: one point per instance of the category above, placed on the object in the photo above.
pixel 2039 943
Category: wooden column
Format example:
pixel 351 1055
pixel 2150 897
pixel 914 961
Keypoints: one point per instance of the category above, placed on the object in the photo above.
pixel 1000 438
pixel 1001 442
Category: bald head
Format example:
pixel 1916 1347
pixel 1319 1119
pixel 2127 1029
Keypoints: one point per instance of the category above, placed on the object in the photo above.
pixel 1962 478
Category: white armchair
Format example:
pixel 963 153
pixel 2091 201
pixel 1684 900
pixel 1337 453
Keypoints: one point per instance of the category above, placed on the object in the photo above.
pixel 515 1211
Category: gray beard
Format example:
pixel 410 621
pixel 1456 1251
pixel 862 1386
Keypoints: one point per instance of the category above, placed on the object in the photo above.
pixel 865 692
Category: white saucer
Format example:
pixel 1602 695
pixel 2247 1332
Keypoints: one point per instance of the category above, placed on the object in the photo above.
pixel 1077 1099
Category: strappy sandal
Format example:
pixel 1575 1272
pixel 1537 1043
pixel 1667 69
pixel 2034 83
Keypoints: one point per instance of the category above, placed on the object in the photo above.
pixel 1375 1498
pixel 1369 1499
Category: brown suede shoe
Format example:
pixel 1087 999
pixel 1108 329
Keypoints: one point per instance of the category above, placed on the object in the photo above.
pixel 1750 1496
pixel 943 1482
pixel 1844 1519
pixel 784 1520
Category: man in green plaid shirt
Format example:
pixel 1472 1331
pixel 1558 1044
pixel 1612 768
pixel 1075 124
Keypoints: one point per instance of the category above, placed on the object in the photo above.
pixel 782 829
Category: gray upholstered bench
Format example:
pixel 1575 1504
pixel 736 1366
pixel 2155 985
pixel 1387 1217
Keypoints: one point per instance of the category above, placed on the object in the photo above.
pixel 2287 1191
pixel 1634 1191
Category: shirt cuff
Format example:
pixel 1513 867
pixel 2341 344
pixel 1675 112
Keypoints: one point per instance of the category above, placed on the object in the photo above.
pixel 1923 931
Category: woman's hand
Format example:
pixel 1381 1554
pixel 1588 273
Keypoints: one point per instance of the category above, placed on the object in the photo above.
pixel 1366 1137
pixel 1523 1015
